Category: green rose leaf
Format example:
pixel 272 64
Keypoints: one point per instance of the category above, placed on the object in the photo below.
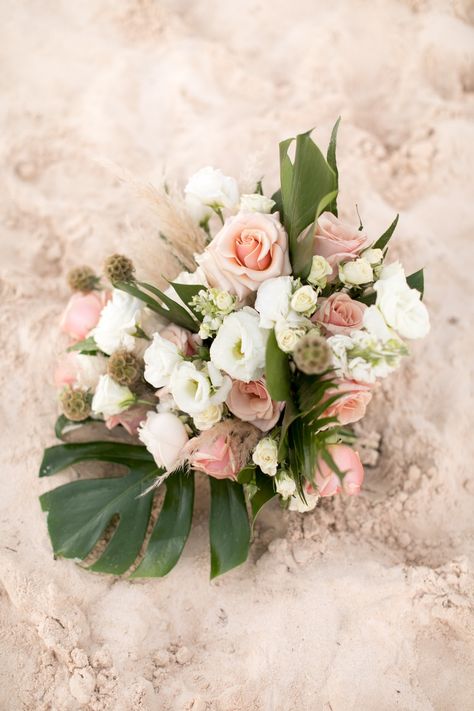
pixel 382 241
pixel 417 281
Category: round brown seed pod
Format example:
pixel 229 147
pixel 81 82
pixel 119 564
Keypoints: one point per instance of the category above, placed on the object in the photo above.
pixel 75 404
pixel 124 367
pixel 119 268
pixel 82 279
pixel 312 354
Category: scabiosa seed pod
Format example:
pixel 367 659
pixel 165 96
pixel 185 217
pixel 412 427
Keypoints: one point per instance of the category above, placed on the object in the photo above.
pixel 82 279
pixel 75 404
pixel 312 354
pixel 124 367
pixel 119 268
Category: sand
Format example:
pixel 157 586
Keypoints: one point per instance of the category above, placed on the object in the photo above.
pixel 362 604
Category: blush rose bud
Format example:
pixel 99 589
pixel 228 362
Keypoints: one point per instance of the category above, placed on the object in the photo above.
pixel 312 354
pixel 124 367
pixel 75 404
pixel 82 279
pixel 119 268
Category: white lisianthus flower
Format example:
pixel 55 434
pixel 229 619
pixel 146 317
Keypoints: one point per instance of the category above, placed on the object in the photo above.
pixel 320 270
pixel 401 306
pixel 304 300
pixel 373 256
pixel 256 203
pixel 194 390
pixel 89 370
pixel 164 436
pixel 355 273
pixel 110 398
pixel 296 504
pixel 118 322
pixel 285 485
pixel 288 334
pixel 374 323
pixel 273 300
pixel 160 358
pixel 210 188
pixel 265 456
pixel 208 417
pixel 240 344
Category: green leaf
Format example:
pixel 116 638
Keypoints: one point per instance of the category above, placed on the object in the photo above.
pixel 417 281
pixel 229 528
pixel 87 345
pixel 65 455
pixel 277 370
pixel 247 474
pixel 382 241
pixel 186 292
pixel 305 244
pixel 331 159
pixel 368 299
pixel 171 529
pixel 265 492
pixel 172 311
pixel 63 423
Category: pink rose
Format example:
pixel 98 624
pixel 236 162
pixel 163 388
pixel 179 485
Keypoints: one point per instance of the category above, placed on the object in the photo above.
pixel 337 242
pixel 352 404
pixel 214 456
pixel 186 342
pixel 249 249
pixel 251 402
pixel 82 313
pixel 130 419
pixel 339 313
pixel 348 461
pixel 65 372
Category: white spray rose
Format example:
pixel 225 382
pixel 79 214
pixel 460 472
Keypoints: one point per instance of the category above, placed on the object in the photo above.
pixel 89 370
pixel 194 390
pixel 160 358
pixel 164 435
pixel 110 398
pixel 209 188
pixel 401 306
pixel 118 321
pixel 285 485
pixel 296 504
pixel 320 270
pixel 373 256
pixel 273 300
pixel 287 335
pixel 304 300
pixel 208 418
pixel 256 203
pixel 355 273
pixel 265 456
pixel 240 344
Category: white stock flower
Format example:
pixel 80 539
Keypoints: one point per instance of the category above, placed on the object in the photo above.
pixel 265 456
pixel 364 357
pixel 194 389
pixel 355 273
pixel 273 300
pixel 89 370
pixel 373 256
pixel 256 203
pixel 118 322
pixel 320 270
pixel 239 346
pixel 164 435
pixel 296 504
pixel 110 398
pixel 288 334
pixel 285 485
pixel 401 306
pixel 209 188
pixel 160 358
pixel 304 300
pixel 208 417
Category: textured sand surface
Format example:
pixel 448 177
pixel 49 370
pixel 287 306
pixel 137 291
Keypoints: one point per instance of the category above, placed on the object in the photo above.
pixel 363 604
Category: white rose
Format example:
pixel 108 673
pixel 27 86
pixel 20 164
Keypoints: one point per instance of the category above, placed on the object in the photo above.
pixel 89 370
pixel 160 358
pixel 285 485
pixel 118 321
pixel 304 300
pixel 355 273
pixel 239 346
pixel 273 300
pixel 208 188
pixel 208 418
pixel 265 456
pixel 320 269
pixel 195 390
pixel 256 203
pixel 110 398
pixel 164 435
pixel 224 301
pixel 287 335
pixel 373 256
pixel 296 504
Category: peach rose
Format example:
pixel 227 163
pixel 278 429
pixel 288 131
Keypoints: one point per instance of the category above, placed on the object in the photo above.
pixel 186 342
pixel 348 461
pixel 337 242
pixel 352 404
pixel 249 249
pixel 251 402
pixel 339 313
pixel 214 457
pixel 82 313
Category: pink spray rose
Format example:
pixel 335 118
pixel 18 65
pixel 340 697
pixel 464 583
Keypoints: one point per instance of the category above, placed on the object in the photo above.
pixel 352 404
pixel 186 342
pixel 249 249
pixel 215 456
pixel 130 419
pixel 339 313
pixel 337 242
pixel 348 461
pixel 82 313
pixel 251 402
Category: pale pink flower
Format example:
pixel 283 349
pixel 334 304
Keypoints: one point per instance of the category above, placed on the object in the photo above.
pixel 130 419
pixel 65 372
pixel 215 456
pixel 82 313
pixel 339 313
pixel 352 403
pixel 251 402
pixel 348 461
pixel 337 242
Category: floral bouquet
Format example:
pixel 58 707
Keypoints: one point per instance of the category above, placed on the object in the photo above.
pixel 250 369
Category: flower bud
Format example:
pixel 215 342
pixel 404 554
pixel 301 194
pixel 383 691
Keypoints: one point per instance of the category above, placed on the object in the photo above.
pixel 82 279
pixel 312 354
pixel 119 268
pixel 304 300
pixel 320 270
pixel 256 203
pixel 355 273
pixel 75 404
pixel 124 367
pixel 373 256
